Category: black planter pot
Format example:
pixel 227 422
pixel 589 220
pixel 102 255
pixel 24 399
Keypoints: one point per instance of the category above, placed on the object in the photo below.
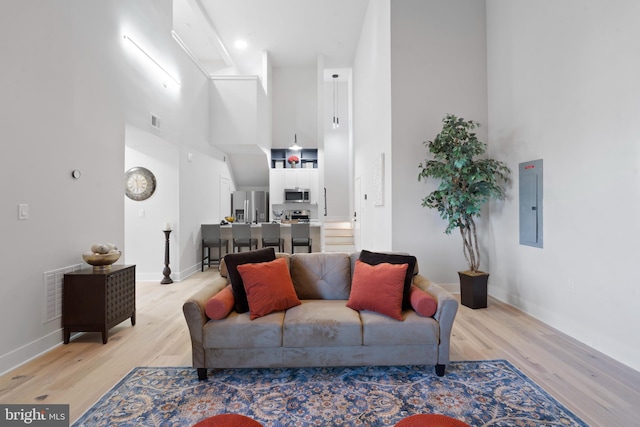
pixel 473 289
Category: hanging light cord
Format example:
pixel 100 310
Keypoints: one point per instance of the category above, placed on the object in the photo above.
pixel 336 120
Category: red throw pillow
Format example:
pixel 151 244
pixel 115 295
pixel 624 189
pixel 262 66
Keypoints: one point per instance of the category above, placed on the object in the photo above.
pixel 269 287
pixel 232 261
pixel 220 305
pixel 374 258
pixel 423 303
pixel 378 288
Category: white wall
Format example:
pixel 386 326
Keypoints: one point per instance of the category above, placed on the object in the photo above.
pixel 336 160
pixel 372 122
pixel 144 220
pixel 295 106
pixel 568 94
pixel 69 88
pixel 201 201
pixel 438 66
pixel 416 61
pixel 239 109
pixel 234 111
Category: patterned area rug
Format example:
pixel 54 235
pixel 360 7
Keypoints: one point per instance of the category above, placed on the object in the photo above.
pixel 486 393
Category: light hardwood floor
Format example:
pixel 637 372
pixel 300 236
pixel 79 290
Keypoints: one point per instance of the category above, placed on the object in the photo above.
pixel 598 389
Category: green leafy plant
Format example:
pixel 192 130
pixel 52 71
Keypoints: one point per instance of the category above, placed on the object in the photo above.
pixel 466 183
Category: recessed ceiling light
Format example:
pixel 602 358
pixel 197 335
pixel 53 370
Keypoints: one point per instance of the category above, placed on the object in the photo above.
pixel 240 44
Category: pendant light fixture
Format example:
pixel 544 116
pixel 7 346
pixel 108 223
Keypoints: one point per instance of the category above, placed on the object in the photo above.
pixel 336 120
pixel 295 146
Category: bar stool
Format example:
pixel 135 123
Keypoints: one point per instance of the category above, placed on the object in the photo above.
pixel 271 236
pixel 211 238
pixel 300 236
pixel 241 234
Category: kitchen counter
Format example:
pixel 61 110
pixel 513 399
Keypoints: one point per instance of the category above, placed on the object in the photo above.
pixel 315 228
pixel 312 224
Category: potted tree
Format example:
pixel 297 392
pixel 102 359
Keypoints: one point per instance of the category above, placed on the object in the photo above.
pixel 466 184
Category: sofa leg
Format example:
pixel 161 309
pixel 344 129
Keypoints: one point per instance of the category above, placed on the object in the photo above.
pixel 440 370
pixel 202 374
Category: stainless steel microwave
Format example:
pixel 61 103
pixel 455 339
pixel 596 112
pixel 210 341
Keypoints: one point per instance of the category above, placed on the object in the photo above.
pixel 296 195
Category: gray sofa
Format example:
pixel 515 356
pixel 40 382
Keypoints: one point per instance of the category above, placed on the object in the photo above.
pixel 322 331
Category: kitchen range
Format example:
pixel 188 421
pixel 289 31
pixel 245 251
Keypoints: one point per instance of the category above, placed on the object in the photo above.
pixel 298 215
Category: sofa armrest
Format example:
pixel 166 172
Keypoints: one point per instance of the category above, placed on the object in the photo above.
pixel 193 309
pixel 445 313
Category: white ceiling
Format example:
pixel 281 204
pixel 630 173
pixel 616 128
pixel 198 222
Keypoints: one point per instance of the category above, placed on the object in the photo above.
pixel 292 32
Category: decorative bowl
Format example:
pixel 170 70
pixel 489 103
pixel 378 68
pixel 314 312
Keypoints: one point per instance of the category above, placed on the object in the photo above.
pixel 101 262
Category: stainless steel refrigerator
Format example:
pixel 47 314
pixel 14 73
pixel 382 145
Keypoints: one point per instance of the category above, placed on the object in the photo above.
pixel 250 206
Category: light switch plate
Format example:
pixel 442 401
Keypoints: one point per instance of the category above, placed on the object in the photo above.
pixel 23 211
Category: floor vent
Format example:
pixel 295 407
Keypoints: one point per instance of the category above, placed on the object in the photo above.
pixel 52 307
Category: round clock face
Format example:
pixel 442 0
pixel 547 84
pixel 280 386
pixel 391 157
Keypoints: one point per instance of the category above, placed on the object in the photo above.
pixel 139 183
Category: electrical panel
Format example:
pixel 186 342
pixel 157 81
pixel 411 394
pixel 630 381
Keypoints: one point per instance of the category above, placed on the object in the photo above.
pixel 530 197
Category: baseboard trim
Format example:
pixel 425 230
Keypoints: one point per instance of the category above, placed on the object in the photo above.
pixel 453 288
pixel 30 351
pixel 175 276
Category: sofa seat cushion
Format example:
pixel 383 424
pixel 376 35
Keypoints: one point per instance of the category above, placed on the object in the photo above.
pixel 238 331
pixel 378 329
pixel 322 323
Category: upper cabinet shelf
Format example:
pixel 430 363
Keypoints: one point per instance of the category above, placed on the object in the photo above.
pixel 308 157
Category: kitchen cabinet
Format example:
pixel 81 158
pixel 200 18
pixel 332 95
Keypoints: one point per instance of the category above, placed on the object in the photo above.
pixel 297 178
pixel 276 186
pixel 314 186
pixel 308 157
pixel 279 179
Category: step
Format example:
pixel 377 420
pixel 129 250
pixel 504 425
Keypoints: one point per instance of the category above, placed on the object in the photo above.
pixel 348 248
pixel 341 225
pixel 338 232
pixel 338 240
pixel 338 236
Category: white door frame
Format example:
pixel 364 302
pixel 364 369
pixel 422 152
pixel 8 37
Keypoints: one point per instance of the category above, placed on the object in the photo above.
pixel 357 213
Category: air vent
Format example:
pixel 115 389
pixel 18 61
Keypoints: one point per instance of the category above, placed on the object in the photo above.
pixel 155 121
pixel 52 303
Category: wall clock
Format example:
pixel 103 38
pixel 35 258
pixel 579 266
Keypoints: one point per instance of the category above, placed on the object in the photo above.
pixel 139 183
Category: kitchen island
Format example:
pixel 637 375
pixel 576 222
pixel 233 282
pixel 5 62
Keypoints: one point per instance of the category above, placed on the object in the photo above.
pixel 315 228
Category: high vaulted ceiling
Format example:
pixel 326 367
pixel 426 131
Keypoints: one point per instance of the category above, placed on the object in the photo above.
pixel 292 32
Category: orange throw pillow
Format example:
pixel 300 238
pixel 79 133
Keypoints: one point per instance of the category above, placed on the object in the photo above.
pixel 220 305
pixel 269 287
pixel 422 303
pixel 378 288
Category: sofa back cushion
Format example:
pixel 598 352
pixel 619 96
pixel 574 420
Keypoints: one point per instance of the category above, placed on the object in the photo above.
pixel 224 272
pixel 232 261
pixel 321 275
pixel 356 256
